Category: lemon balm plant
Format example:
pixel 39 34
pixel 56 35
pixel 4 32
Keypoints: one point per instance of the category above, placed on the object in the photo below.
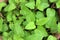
pixel 29 20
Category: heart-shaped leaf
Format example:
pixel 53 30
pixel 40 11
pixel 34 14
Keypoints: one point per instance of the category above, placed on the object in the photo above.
pixel 30 26
pixel 51 38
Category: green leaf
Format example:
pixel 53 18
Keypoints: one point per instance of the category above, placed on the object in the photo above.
pixel 26 34
pixel 18 29
pixel 31 0
pixel 30 26
pixel 5 36
pixel 9 38
pixel 42 31
pixel 58 4
pixel 22 1
pixel 16 37
pixel 25 23
pixel 9 16
pixel 25 11
pixel 41 21
pixel 53 0
pixel 4 27
pixel 30 18
pixel 30 5
pixel 17 1
pixel 52 24
pixel 2 4
pixel 11 1
pixel 11 26
pixel 51 38
pixel 38 34
pixel 10 7
pixel 1 23
pixel 46 1
pixel 34 37
pixel 41 5
pixel 39 15
pixel 14 1
pixel 50 12
pixel 14 18
pixel 20 20
pixel 16 12
pixel 58 27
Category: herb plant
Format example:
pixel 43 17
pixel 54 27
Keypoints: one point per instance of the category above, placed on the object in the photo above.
pixel 29 19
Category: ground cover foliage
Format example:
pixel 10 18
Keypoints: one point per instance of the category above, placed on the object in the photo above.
pixel 30 20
